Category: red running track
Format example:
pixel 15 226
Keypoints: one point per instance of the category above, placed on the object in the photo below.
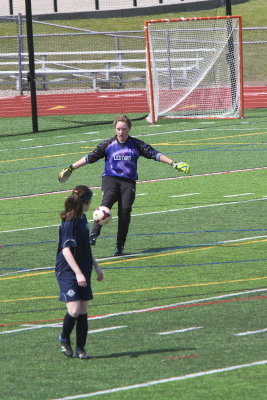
pixel 102 102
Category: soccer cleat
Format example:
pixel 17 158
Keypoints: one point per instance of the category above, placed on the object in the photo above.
pixel 66 347
pixel 82 355
pixel 119 251
pixel 92 239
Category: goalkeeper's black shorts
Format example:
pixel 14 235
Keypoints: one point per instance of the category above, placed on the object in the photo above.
pixel 119 190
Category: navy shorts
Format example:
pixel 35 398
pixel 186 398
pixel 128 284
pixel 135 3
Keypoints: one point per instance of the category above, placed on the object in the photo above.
pixel 71 291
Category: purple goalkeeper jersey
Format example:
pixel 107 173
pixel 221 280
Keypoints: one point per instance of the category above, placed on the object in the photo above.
pixel 121 158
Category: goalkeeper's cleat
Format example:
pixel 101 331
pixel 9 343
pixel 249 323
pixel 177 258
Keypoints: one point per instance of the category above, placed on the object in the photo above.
pixel 181 166
pixel 81 354
pixel 64 175
pixel 92 239
pixel 119 251
pixel 66 347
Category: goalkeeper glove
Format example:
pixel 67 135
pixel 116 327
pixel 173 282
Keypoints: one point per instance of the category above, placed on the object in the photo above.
pixel 181 166
pixel 64 175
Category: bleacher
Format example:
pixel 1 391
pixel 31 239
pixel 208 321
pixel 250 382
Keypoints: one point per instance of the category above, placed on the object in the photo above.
pixel 115 68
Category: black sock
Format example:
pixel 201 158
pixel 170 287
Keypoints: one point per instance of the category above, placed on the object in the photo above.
pixel 81 331
pixel 68 325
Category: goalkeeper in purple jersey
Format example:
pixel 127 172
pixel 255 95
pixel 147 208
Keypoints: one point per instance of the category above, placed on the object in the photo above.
pixel 121 154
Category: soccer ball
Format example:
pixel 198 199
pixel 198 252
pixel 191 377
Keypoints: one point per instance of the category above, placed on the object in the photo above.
pixel 102 215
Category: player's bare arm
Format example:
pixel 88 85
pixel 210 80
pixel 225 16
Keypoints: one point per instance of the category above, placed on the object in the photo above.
pixel 79 163
pixel 98 270
pixel 74 266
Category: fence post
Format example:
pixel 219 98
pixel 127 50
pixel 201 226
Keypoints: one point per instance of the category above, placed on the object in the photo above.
pixel 31 75
pixel 55 5
pixel 228 6
pixel 11 7
pixel 20 56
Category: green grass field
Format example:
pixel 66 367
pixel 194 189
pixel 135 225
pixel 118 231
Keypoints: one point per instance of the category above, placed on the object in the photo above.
pixel 182 315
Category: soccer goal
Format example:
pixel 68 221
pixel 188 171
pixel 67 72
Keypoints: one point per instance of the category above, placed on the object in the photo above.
pixel 194 68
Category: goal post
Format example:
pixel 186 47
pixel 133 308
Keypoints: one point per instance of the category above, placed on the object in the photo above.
pixel 194 68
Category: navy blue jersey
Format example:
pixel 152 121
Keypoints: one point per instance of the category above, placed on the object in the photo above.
pixel 75 234
pixel 121 158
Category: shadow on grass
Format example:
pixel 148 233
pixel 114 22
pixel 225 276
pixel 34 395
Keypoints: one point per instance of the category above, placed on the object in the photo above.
pixel 135 354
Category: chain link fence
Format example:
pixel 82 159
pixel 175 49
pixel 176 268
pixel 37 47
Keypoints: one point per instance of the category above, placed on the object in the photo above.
pixel 75 59
pixel 56 7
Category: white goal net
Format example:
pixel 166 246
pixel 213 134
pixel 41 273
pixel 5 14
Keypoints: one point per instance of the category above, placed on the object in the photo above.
pixel 194 68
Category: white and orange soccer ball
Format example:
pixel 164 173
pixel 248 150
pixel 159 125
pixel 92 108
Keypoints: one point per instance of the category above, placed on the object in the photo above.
pixel 102 215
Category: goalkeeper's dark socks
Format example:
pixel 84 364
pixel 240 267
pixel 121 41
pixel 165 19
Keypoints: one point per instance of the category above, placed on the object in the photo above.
pixel 81 330
pixel 68 325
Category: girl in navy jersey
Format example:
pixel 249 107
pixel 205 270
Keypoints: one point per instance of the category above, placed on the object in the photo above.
pixel 74 264
pixel 121 154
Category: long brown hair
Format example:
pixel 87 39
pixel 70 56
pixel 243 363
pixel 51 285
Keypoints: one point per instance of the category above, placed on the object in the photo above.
pixel 73 207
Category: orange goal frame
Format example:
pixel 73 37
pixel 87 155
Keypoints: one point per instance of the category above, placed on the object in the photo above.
pixel 149 69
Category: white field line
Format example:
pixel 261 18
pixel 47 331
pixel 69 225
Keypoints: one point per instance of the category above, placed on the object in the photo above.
pixel 177 304
pixel 54 325
pixel 250 332
pixel 47 145
pixel 112 328
pixel 236 129
pixel 167 380
pixel 135 255
pixel 200 175
pixel 154 212
pixel 139 254
pixel 237 195
pixel 184 195
pixel 179 331
pixel 30 229
pixel 240 240
pixel 25 196
pixel 200 207
pixel 30 327
pixel 59 325
pixel 147 181
pixel 137 136
pixel 21 271
pixel 99 139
